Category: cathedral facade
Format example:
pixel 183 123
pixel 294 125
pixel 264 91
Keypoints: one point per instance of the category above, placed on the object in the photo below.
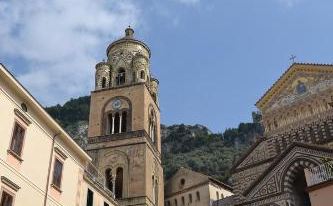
pixel 297 115
pixel 124 124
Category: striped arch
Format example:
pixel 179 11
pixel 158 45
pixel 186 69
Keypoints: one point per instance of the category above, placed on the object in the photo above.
pixel 295 168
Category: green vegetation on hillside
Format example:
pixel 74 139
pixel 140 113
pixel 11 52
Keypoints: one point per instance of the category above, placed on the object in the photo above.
pixel 194 147
pixel 71 112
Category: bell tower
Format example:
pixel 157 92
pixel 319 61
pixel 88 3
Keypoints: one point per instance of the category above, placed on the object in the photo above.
pixel 124 124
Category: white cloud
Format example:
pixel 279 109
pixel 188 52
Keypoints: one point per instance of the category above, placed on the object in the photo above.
pixel 61 41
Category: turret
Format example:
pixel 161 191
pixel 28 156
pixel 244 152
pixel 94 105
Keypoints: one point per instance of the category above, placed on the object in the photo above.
pixel 127 63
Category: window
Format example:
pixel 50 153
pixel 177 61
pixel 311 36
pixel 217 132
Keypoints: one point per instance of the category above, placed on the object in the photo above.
pixel 111 127
pixel 134 76
pixel 116 123
pixel 121 78
pixel 123 121
pixel 217 195
pixel 168 203
pixel 16 144
pixel 183 201
pixel 155 191
pixel 106 204
pixel 190 198
pixel 90 198
pixel 57 173
pixel 182 182
pixel 176 203
pixel 142 74
pixel 119 183
pixel 109 179
pixel 103 82
pixel 154 188
pixel 222 196
pixel 6 199
pixel 198 196
pixel 152 126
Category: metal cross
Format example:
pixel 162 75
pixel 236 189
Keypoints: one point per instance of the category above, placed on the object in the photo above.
pixel 292 58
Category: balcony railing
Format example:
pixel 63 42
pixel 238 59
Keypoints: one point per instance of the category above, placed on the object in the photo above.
pixel 97 178
pixel 319 174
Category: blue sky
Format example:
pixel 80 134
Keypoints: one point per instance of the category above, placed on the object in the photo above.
pixel 214 58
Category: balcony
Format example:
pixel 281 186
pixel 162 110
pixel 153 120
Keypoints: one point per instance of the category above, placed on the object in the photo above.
pixel 92 173
pixel 319 174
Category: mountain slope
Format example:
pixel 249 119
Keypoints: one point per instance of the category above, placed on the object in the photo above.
pixel 192 146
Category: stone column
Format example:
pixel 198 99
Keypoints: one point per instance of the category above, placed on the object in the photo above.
pixel 112 124
pixel 120 121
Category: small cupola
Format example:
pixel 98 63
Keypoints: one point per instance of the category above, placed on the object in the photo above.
pixel 129 32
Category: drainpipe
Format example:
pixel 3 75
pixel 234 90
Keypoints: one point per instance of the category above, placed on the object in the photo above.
pixel 49 169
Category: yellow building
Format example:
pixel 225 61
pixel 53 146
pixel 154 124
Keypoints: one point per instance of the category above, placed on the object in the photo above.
pixel 40 164
pixel 189 188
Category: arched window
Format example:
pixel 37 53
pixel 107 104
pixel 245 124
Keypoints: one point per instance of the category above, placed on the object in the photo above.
pixel 152 126
pixel 155 189
pixel 110 128
pixel 108 179
pixel 103 82
pixel 198 196
pixel 121 77
pixel 142 74
pixel 119 183
pixel 190 198
pixel 123 121
pixel 134 76
pixel 156 192
pixel 116 123
pixel 117 116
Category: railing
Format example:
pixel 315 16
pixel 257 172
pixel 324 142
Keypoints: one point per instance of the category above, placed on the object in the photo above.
pixel 97 178
pixel 319 174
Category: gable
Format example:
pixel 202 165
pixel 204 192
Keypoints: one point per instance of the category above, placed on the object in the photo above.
pixel 260 152
pixel 184 179
pixel 276 179
pixel 297 83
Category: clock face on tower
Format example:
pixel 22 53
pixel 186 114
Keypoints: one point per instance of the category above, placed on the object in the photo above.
pixel 116 104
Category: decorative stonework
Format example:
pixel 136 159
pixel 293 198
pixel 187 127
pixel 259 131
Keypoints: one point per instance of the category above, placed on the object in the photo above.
pixel 298 118
pixel 243 179
pixel 259 154
pixel 312 84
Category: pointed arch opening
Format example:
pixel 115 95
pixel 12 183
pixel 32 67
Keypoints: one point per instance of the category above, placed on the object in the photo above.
pixel 152 126
pixel 117 116
pixel 119 183
pixel 124 121
pixel 294 181
pixel 142 74
pixel 109 179
pixel 121 77
pixel 103 82
pixel 116 123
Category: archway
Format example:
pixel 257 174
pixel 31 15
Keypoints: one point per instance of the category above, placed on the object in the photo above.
pixel 299 187
pixel 109 179
pixel 294 181
pixel 119 183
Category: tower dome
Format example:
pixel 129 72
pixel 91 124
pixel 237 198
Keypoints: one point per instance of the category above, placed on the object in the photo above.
pixel 127 63
pixel 128 42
